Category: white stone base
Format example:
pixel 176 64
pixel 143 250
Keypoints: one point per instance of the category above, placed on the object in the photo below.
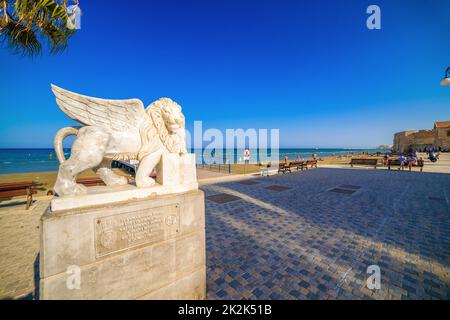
pixel 176 174
pixel 150 248
pixel 107 195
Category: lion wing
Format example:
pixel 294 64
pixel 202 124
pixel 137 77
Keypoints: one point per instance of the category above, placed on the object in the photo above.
pixel 120 115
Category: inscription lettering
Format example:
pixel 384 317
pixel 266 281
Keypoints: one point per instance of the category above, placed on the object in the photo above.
pixel 122 231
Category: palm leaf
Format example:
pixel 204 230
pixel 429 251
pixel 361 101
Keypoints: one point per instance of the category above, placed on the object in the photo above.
pixel 30 23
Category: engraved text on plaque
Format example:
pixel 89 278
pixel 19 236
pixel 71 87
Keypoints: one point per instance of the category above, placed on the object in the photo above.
pixel 126 230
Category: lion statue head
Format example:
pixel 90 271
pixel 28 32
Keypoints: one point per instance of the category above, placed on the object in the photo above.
pixel 166 123
pixel 170 112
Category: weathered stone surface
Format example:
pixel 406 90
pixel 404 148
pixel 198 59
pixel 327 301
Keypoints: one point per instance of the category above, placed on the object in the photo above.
pixel 188 172
pixel 109 195
pixel 124 251
pixel 169 170
pixel 181 289
pixel 133 273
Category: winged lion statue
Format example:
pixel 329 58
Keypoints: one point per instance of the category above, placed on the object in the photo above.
pixel 115 130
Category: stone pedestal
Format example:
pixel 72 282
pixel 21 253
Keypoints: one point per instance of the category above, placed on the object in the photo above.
pixel 151 248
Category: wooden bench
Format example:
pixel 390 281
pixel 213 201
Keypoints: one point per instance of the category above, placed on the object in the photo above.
pixel 96 181
pixel 299 165
pixel 397 163
pixel 284 167
pixel 15 189
pixel 364 162
pixel 91 182
pixel 311 163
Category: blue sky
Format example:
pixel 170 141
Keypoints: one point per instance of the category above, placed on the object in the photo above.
pixel 310 68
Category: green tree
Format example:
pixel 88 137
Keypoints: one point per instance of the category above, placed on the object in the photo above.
pixel 25 25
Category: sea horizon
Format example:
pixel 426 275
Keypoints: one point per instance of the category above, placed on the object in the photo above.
pixel 27 160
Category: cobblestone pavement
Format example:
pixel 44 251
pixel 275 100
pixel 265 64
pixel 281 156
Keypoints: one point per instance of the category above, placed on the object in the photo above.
pixel 308 242
pixel 290 237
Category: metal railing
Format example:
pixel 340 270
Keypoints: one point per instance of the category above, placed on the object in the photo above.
pixel 216 167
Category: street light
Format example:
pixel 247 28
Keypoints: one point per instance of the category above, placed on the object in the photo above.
pixel 446 80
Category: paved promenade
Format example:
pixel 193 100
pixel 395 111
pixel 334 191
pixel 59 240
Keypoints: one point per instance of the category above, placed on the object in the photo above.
pixel 306 235
pixel 316 239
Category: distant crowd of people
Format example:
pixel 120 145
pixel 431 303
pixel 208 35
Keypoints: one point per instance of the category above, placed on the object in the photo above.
pixel 407 160
pixel 411 159
pixel 299 158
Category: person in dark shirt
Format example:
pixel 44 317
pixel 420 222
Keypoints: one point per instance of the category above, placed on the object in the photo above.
pixel 385 159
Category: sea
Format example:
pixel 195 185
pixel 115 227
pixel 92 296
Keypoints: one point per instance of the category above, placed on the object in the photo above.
pixel 45 160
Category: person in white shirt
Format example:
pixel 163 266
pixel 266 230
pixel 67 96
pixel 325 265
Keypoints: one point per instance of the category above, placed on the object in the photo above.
pixel 74 13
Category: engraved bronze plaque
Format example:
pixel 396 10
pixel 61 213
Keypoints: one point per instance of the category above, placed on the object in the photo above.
pixel 126 230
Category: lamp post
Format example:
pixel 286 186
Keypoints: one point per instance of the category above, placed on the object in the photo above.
pixel 446 81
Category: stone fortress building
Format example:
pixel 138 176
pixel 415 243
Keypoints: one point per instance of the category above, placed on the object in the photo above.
pixel 422 140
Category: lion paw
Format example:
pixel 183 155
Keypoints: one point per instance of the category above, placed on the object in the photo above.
pixel 79 189
pixel 115 180
pixel 65 189
pixel 144 182
pixel 122 181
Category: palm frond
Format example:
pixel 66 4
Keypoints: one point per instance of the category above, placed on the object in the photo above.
pixel 26 24
pixel 20 39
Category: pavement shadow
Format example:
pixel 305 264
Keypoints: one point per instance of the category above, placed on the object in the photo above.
pixel 37 277
pixel 13 204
